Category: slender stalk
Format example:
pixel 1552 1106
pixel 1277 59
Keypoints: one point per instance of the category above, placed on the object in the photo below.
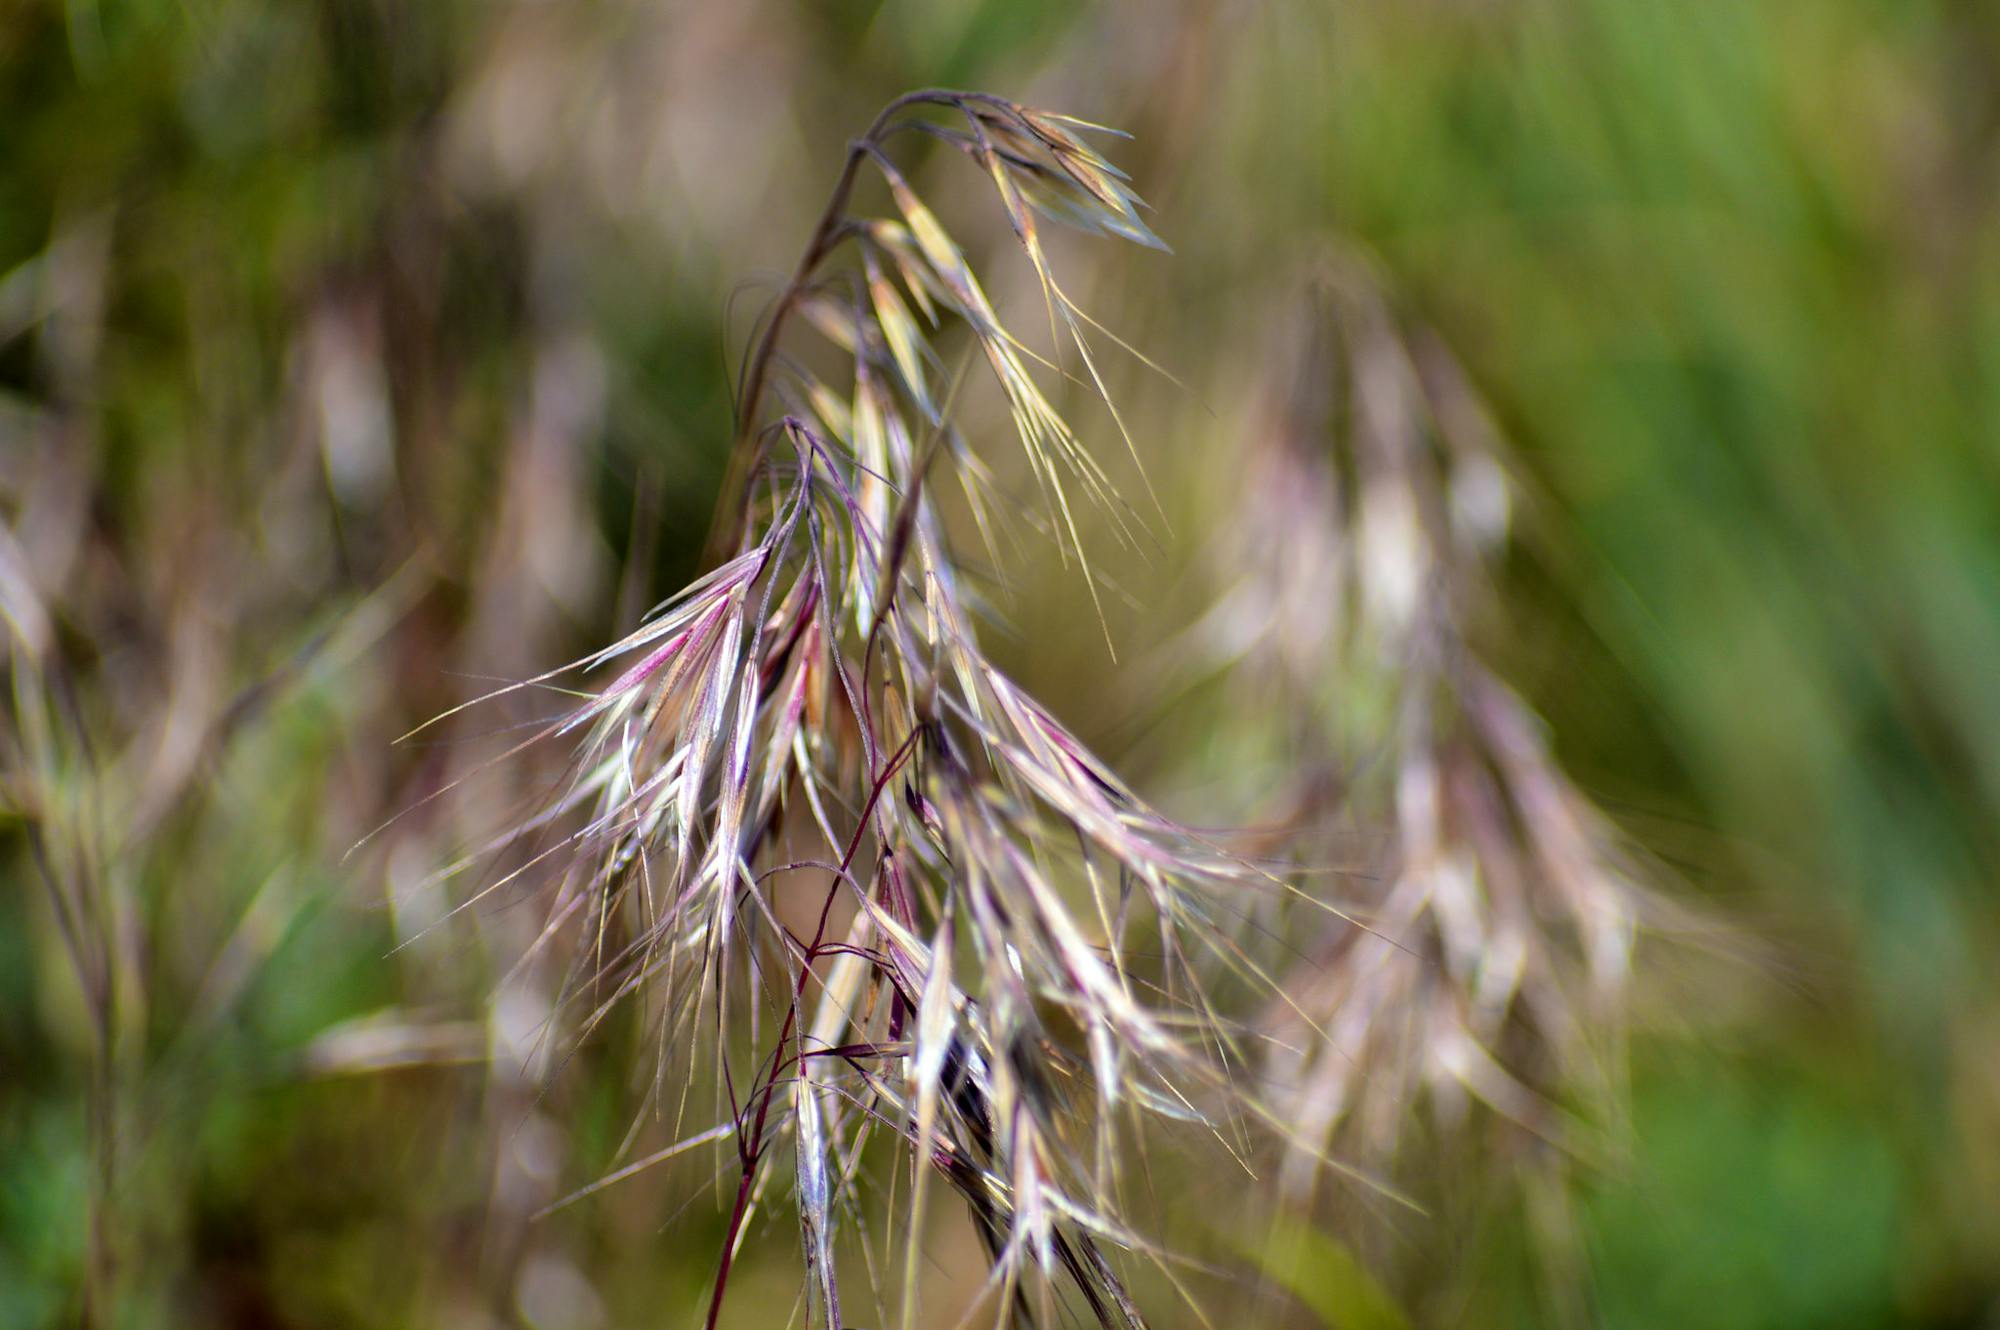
pixel 751 1146
pixel 87 926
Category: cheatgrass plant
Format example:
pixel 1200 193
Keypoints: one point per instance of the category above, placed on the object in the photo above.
pixel 1501 906
pixel 890 924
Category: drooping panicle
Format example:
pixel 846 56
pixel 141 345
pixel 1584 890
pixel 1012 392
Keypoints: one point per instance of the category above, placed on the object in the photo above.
pixel 863 885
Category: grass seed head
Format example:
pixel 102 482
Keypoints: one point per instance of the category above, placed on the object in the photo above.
pixel 1504 906
pixel 962 980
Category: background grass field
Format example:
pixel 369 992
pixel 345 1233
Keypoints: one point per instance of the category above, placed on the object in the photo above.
pixel 355 353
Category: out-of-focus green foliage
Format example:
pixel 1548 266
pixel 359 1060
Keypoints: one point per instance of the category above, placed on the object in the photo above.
pixel 352 353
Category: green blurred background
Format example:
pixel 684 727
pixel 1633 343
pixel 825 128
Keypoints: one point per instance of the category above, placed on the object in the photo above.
pixel 356 352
